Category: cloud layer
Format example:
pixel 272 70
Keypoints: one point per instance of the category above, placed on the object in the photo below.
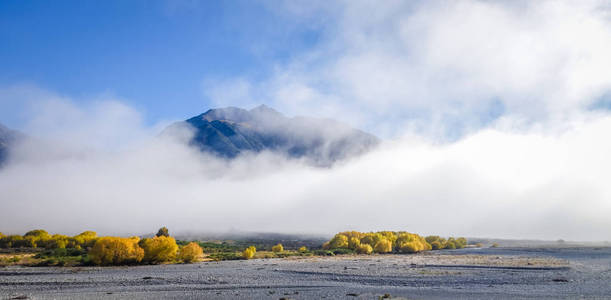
pixel 496 182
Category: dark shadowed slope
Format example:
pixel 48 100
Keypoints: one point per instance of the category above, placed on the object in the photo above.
pixel 229 132
pixel 7 137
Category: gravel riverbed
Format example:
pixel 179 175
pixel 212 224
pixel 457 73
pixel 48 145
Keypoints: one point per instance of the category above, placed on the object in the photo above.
pixel 467 273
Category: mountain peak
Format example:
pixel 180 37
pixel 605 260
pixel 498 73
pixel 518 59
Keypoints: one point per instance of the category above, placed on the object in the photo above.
pixel 230 131
pixel 227 113
pixel 264 109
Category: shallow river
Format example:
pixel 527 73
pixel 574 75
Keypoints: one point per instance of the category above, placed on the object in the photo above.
pixel 458 274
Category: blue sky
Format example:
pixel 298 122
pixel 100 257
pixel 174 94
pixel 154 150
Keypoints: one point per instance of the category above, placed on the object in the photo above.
pixel 438 69
pixel 153 54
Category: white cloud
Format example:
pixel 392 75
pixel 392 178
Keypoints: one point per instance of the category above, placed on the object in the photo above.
pixel 434 65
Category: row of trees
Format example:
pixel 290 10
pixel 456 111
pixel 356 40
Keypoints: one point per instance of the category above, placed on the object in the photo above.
pixel 41 239
pixel 390 241
pixel 159 249
pixel 110 250
pixel 438 243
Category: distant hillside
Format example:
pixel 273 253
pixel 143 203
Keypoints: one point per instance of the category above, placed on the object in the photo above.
pixel 7 137
pixel 229 132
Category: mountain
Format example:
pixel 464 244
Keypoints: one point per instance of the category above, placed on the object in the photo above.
pixel 7 137
pixel 231 131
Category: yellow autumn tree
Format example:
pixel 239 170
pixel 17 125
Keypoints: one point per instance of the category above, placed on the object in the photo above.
pixel 58 241
pixel 249 252
pixel 159 249
pixel 354 243
pixel 190 252
pixel 371 238
pixel 432 238
pixel 278 248
pixel 364 249
pixel 116 251
pixel 436 245
pixel 84 239
pixel 411 243
pixel 383 246
pixel 36 238
pixel 338 241
pixel 303 249
pixel 461 242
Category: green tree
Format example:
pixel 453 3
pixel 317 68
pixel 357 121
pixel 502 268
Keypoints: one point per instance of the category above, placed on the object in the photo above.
pixel 163 231
pixel 11 241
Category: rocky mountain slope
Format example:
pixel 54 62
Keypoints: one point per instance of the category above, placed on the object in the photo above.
pixel 229 132
pixel 7 137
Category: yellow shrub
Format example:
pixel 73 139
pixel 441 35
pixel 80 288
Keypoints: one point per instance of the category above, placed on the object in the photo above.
pixel 35 238
pixel 115 251
pixel 364 249
pixel 436 245
pixel 352 234
pixel 84 239
pixel 29 241
pixel 57 241
pixel 380 242
pixel 303 249
pixel 371 238
pixel 338 241
pixel 190 252
pixel 38 233
pixel 389 235
pixel 383 246
pixel 461 242
pixel 278 248
pixel 354 243
pixel 249 252
pixel 412 243
pixel 432 238
pixel 159 249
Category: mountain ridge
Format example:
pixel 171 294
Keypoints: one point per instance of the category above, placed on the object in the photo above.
pixel 231 131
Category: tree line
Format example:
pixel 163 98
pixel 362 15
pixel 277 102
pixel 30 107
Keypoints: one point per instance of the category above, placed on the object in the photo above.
pixel 110 250
pixel 391 241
